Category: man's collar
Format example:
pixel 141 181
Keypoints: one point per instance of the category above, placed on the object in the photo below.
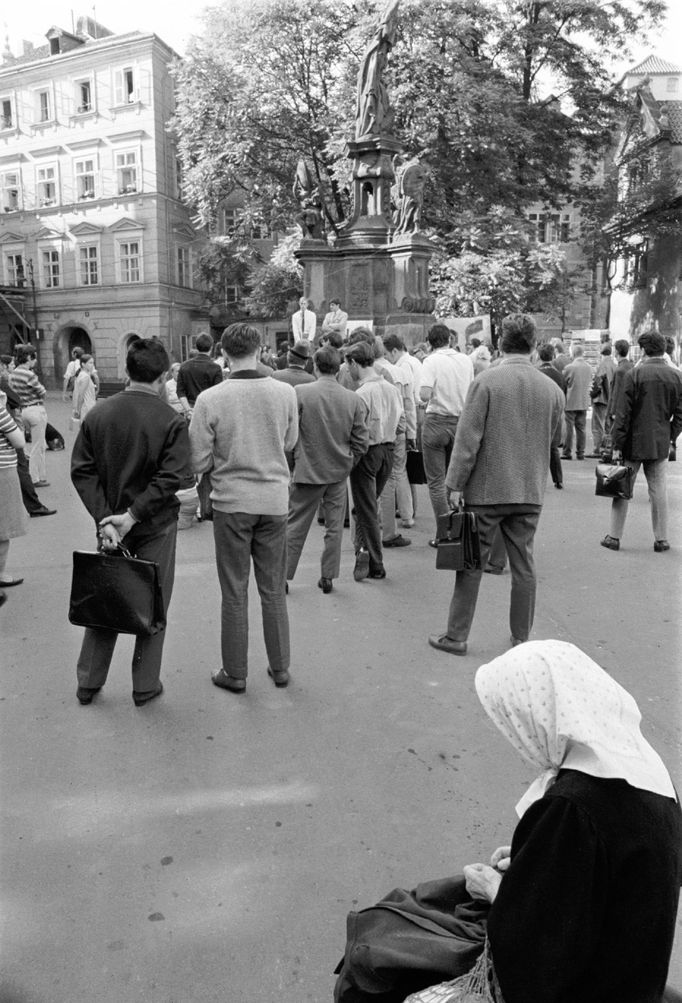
pixel 248 374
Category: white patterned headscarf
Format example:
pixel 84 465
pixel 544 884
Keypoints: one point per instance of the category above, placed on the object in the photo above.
pixel 559 709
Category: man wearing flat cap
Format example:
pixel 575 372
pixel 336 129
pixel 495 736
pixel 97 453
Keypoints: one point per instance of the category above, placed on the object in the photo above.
pixel 295 372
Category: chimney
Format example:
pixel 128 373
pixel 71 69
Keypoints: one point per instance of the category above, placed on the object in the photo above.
pixel 29 48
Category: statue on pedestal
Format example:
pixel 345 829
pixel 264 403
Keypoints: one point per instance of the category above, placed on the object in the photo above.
pixel 408 195
pixel 374 115
pixel 307 192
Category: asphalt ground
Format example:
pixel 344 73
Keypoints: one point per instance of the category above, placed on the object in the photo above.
pixel 208 847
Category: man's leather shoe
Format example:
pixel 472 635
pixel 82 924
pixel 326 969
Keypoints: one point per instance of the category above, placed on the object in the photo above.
pixel 225 682
pixel 3 597
pixel 434 544
pixel 661 545
pixel 361 569
pixel 41 484
pixel 610 542
pixel 9 582
pixel 326 585
pixel 140 699
pixel 378 573
pixel 566 456
pixel 86 694
pixel 558 485
pixel 445 643
pixel 43 510
pixel 280 678
pixel 396 541
pixel 515 641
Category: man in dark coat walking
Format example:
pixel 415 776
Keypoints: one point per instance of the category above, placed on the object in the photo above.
pixel 648 421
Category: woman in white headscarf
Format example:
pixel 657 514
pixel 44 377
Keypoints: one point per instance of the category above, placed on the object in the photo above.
pixel 584 901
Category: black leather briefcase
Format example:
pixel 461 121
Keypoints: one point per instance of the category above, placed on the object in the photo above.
pixel 115 591
pixel 614 480
pixel 458 545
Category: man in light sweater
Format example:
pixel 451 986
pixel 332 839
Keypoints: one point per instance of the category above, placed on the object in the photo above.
pixel 498 470
pixel 240 432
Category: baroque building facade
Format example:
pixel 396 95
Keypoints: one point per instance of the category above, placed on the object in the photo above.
pixel 94 236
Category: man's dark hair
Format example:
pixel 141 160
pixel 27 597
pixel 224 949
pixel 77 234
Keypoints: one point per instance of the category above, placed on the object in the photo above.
pixel 546 352
pixel 475 342
pixel 394 341
pixel 333 300
pixel 24 352
pixel 204 343
pixel 146 360
pixel 361 334
pixel 651 343
pixel 239 340
pixel 438 336
pixel 76 352
pixel 85 359
pixel 332 338
pixel 519 334
pixel 327 360
pixel 362 353
pixel 606 348
pixel 622 348
pixel 669 345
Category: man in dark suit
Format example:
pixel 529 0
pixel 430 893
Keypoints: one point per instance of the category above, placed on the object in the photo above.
pixel 197 374
pixel 648 421
pixel 333 435
pixel 546 354
pixel 130 457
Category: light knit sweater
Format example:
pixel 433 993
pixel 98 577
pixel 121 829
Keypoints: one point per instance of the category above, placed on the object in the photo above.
pixel 241 431
pixel 502 445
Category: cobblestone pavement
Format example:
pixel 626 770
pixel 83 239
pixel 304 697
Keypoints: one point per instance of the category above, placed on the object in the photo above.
pixel 208 847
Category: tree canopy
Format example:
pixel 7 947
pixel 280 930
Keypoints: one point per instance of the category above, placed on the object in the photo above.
pixel 511 103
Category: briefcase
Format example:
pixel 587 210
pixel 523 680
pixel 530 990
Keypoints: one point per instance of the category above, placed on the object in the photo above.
pixel 614 480
pixel 458 545
pixel 112 590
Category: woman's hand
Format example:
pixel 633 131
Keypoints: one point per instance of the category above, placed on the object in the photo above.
pixel 501 858
pixel 482 881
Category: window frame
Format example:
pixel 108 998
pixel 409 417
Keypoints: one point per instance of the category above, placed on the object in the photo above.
pixel 123 260
pixel 51 269
pixel 126 91
pixel 183 269
pixel 84 107
pixel 43 200
pixel 129 188
pixel 83 192
pixel 85 277
pixel 7 122
pixel 44 110
pixel 11 272
pixel 7 186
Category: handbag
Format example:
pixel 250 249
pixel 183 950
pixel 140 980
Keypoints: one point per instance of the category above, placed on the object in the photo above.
pixel 458 546
pixel 410 940
pixel 614 480
pixel 116 591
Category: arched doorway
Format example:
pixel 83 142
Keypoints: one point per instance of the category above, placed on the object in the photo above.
pixel 70 337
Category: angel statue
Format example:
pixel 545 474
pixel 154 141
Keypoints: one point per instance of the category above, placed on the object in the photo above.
pixel 374 114
pixel 307 192
pixel 409 196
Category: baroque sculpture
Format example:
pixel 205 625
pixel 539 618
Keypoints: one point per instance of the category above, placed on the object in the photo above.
pixel 408 196
pixel 307 192
pixel 373 113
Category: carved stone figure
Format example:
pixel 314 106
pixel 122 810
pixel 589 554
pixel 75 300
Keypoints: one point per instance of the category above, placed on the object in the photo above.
pixel 409 196
pixel 307 192
pixel 374 115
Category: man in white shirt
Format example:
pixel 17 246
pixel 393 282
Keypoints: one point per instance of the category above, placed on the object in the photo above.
pixel 445 379
pixel 397 493
pixel 304 322
pixel 336 320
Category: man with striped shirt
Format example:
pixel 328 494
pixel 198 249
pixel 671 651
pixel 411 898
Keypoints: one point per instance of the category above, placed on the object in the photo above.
pixel 31 394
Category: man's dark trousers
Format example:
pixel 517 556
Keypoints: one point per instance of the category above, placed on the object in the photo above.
pixel 517 524
pixel 98 645
pixel 367 480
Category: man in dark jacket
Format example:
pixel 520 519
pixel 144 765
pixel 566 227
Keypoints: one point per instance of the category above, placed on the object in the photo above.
pixel 546 354
pixel 197 374
pixel 623 367
pixel 130 457
pixel 648 421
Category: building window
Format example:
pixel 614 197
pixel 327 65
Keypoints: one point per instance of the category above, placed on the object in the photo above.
pixel 43 106
pixel 85 179
pixel 47 186
pixel 6 119
pixel 184 267
pixel 126 172
pixel 231 294
pixel 83 97
pixel 130 261
pixel 89 265
pixel 50 269
pixel 259 231
pixel 126 91
pixel 672 85
pixel 14 269
pixel 229 221
pixel 551 228
pixel 9 185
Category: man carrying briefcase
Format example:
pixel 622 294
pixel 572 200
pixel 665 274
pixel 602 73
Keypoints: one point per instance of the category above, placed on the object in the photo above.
pixel 128 461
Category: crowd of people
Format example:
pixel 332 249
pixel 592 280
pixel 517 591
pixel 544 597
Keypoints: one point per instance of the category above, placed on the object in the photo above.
pixel 259 447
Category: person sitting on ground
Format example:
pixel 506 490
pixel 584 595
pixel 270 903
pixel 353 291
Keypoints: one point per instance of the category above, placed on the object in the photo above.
pixel 584 901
